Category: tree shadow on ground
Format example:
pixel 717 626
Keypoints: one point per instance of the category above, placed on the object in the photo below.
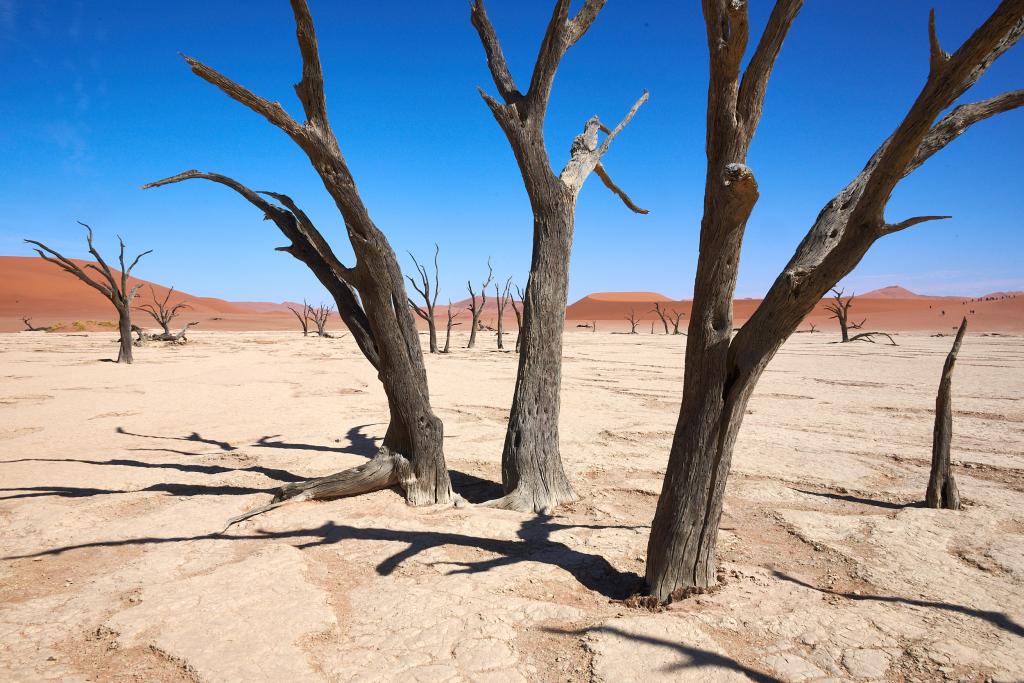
pixel 269 472
pixel 194 436
pixel 862 501
pixel 172 489
pixel 474 489
pixel 534 545
pixel 998 619
pixel 693 657
pixel 358 443
pixel 471 487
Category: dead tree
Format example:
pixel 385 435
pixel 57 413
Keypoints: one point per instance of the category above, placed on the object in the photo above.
pixel 475 308
pixel 870 337
pixel 161 312
pixel 111 284
pixel 840 308
pixel 663 315
pixel 429 297
pixel 942 491
pixel 500 301
pixel 319 315
pixel 722 369
pixel 304 317
pixel 29 327
pixel 675 316
pixel 633 321
pixel 172 337
pixel 814 328
pixel 519 316
pixel 532 474
pixel 451 324
pixel 370 295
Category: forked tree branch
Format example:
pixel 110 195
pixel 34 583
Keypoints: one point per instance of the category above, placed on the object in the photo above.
pixel 754 84
pixel 271 111
pixel 496 62
pixel 959 120
pixel 311 88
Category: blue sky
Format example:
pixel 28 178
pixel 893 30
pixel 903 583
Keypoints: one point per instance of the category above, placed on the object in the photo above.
pixel 94 102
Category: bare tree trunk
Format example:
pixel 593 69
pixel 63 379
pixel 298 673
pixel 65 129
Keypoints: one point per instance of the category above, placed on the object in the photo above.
pixel 387 333
pixel 840 309
pixel 475 309
pixel 519 317
pixel 451 324
pixel 633 321
pixel 501 300
pixel 663 315
pixel 161 312
pixel 115 289
pixel 124 326
pixel 303 317
pixel 720 373
pixel 425 291
pixel 532 474
pixel 942 491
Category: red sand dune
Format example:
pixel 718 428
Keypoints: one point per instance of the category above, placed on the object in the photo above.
pixel 39 290
pixel 31 287
pixel 891 309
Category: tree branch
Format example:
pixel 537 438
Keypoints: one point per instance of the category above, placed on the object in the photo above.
pixel 311 88
pixel 959 120
pixel 583 20
pixel 938 56
pixel 889 228
pixel 496 62
pixel 552 47
pixel 606 179
pixel 271 111
pixel 755 79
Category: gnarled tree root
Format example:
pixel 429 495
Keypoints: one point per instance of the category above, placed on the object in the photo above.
pixel 386 469
pixel 532 502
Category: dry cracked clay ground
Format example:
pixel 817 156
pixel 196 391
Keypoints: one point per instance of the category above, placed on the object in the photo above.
pixel 115 481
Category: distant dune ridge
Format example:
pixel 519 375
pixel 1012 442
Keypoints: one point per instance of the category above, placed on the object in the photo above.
pixel 33 288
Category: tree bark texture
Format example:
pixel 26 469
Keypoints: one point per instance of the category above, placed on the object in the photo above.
pixel 942 491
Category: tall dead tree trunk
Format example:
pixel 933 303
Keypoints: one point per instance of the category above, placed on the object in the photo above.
pixel 304 317
pixel 633 321
pixel 475 309
pixel 840 308
pixel 532 474
pixel 424 291
pixel 662 315
pixel 721 370
pixel 675 316
pixel 451 324
pixel 320 315
pixel 113 287
pixel 942 491
pixel 411 455
pixel 161 312
pixel 519 316
pixel 501 300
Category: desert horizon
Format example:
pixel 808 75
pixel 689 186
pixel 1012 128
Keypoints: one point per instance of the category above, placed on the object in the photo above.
pixel 31 288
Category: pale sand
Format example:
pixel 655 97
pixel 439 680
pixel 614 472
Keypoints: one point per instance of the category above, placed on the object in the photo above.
pixel 114 478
